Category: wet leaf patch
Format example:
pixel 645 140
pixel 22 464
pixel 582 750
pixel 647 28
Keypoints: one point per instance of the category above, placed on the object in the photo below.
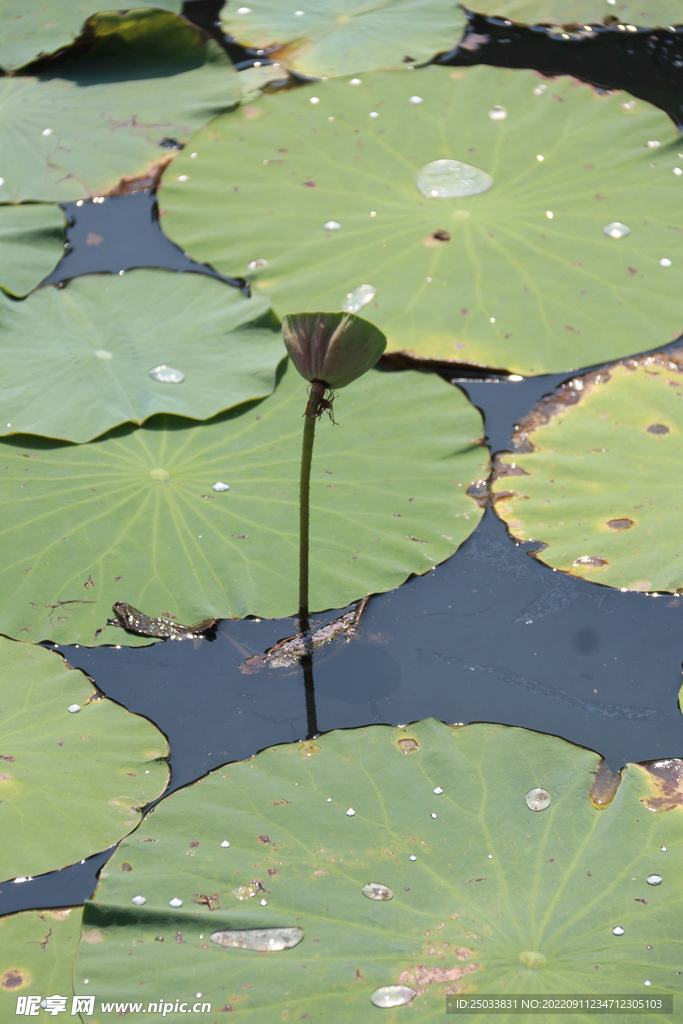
pixel 134 516
pixel 74 767
pixel 463 235
pixel 557 893
pixel 600 486
pixel 109 349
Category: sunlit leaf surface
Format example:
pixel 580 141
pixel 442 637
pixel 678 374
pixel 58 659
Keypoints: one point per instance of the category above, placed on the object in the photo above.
pixel 134 516
pixel 489 896
pixel 77 360
pixel 71 781
pixel 31 30
pixel 649 13
pixel 37 953
pixel 153 77
pixel 325 188
pixel 31 243
pixel 340 37
pixel 601 486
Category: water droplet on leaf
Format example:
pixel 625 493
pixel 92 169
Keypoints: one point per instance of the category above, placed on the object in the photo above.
pixel 73 708
pixel 446 179
pixel 618 930
pixel 220 486
pixel 375 891
pixel 497 113
pixel 139 901
pixel 175 902
pixel 332 225
pixel 537 799
pixel 262 940
pixel 392 995
pixel 616 229
pixel 166 374
pixel 358 298
pixel 654 879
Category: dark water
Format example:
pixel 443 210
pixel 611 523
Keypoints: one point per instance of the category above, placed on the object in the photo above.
pixel 491 635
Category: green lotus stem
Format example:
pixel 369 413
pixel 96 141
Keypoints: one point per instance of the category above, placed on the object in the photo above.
pixel 310 416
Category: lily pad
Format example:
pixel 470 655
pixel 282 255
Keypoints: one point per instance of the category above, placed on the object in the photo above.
pixel 37 953
pixel 75 768
pixel 134 517
pixel 77 131
pixel 79 360
pixel 31 244
pixel 339 38
pixel 650 13
pixel 321 187
pixel 595 477
pixel 489 896
pixel 28 31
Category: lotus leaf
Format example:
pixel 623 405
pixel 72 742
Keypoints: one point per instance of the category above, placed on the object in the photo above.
pixel 312 193
pixel 340 37
pixel 28 31
pixel 651 13
pixel 37 953
pixel 73 782
pixel 489 896
pixel 76 360
pixel 134 517
pixel 84 126
pixel 595 476
pixel 31 243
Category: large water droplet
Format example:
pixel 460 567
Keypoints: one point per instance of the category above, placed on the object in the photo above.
pixel 416 100
pixel 445 179
pixel 166 374
pixel 332 225
pixel 665 262
pixel 175 902
pixel 375 891
pixel 263 940
pixel 350 812
pixel 653 144
pixel 139 901
pixel 392 995
pixel 618 930
pixel 225 843
pixel 358 298
pixel 497 113
pixel 616 229
pixel 537 799
pixel 355 81
pixel 540 89
pixel 220 486
pixel 438 790
pixel 73 708
pixel 654 879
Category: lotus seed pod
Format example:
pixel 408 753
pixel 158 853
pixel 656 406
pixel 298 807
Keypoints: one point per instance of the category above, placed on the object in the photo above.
pixel 333 348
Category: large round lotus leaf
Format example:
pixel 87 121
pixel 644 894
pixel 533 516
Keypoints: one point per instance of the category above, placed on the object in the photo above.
pixel 498 899
pixel 28 31
pixel 72 782
pixel 340 37
pixel 76 360
pixel 560 292
pixel 31 243
pixel 133 516
pixel 37 953
pixel 600 486
pixel 650 13
pixel 78 133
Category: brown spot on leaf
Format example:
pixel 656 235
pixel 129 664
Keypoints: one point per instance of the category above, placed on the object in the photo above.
pixel 14 979
pixel 93 936
pixel 407 744
pixel 666 782
pixel 126 866
pixel 620 524
pixel 436 238
pixel 657 428
pixel 590 562
pixel 421 977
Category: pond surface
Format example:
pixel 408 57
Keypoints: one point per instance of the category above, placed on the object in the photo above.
pixel 491 635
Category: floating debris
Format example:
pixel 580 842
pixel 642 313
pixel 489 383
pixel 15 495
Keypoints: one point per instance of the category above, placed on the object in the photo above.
pixel 537 799
pixel 392 995
pixel 262 940
pixel 290 651
pixel 375 891
pixel 445 179
pixel 163 629
pixel 166 374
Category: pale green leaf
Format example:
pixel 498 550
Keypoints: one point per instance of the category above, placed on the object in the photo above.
pixel 31 243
